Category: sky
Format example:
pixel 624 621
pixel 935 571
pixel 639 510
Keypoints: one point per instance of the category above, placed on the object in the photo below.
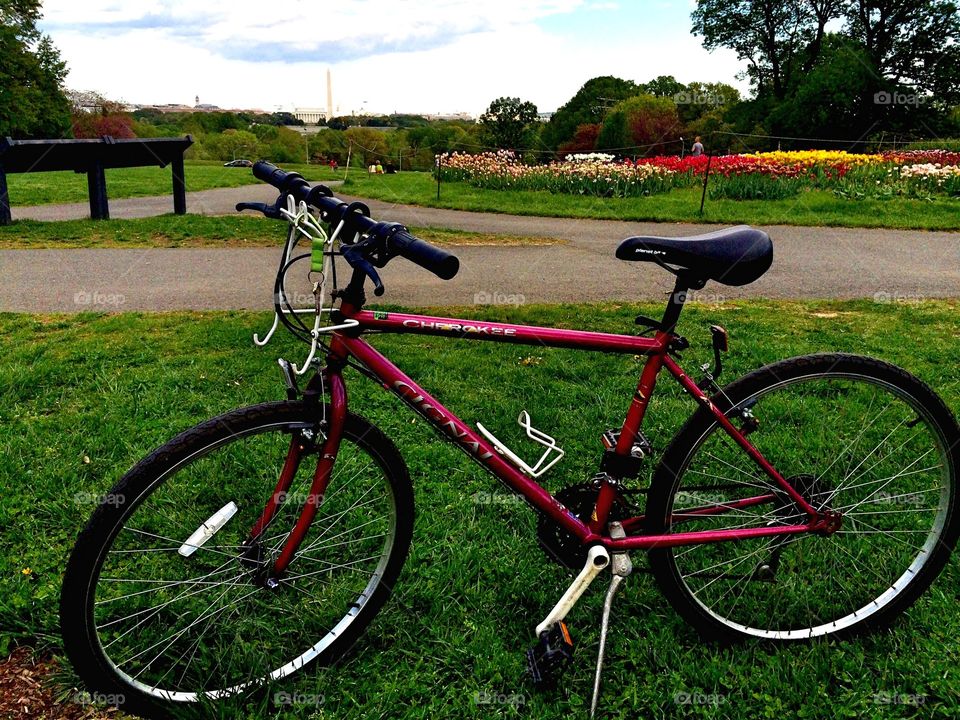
pixel 385 56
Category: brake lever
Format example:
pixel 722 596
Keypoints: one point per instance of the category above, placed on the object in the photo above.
pixel 270 211
pixel 353 254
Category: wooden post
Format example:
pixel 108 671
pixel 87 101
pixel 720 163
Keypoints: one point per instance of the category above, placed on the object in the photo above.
pixel 97 188
pixel 179 186
pixel 5 218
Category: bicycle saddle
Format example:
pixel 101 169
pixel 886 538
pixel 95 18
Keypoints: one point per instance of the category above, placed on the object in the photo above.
pixel 735 256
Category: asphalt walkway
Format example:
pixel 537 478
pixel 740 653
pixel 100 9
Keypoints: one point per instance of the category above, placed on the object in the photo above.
pixel 884 265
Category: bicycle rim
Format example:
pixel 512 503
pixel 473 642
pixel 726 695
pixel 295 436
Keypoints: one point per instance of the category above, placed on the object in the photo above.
pixel 185 628
pixel 853 443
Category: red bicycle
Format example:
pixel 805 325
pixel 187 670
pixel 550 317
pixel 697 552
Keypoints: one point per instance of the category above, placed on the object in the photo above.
pixel 813 497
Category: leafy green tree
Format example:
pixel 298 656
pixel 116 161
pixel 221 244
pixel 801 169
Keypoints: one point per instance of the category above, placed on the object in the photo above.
pixel 897 66
pixel 827 101
pixel 912 44
pixel 588 107
pixel 779 39
pixel 663 86
pixel 584 140
pixel 368 144
pixel 32 101
pixel 428 141
pixel 641 125
pixel 508 122
pixel 698 99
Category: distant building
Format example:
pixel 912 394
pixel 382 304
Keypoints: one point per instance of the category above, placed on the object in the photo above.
pixel 544 116
pixel 86 101
pixel 447 116
pixel 311 116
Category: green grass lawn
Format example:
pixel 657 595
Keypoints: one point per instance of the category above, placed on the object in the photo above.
pixel 246 230
pixel 812 208
pixel 82 397
pixel 68 187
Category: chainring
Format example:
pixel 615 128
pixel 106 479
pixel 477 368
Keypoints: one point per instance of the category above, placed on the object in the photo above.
pixel 563 547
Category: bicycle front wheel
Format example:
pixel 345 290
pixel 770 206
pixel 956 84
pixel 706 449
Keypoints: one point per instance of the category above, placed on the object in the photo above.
pixel 853 435
pixel 152 619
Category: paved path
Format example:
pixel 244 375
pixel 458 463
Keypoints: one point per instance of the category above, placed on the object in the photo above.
pixel 808 263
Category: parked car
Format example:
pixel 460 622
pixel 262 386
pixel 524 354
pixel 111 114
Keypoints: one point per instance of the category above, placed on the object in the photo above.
pixel 238 163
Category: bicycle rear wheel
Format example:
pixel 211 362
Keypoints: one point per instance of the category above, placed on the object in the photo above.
pixel 143 622
pixel 855 435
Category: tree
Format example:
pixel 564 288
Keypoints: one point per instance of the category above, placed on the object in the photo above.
pixel 369 144
pixel 775 37
pixel 507 122
pixel 900 61
pixel 584 140
pixel 588 107
pixel 827 101
pixel 911 44
pixel 640 125
pixel 94 116
pixel 32 101
pixel 663 86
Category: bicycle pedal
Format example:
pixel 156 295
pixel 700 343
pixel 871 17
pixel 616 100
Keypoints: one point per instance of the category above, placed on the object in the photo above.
pixel 550 657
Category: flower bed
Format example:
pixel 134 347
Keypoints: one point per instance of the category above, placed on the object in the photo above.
pixel 771 175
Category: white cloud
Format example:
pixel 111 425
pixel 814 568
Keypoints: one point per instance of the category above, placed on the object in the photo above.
pixel 449 55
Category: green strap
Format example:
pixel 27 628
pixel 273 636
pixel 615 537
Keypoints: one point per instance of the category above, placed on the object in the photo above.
pixel 316 254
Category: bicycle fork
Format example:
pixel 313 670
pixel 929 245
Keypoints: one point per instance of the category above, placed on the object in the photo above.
pixel 327 455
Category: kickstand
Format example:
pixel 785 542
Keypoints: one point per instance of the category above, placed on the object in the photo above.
pixel 621 567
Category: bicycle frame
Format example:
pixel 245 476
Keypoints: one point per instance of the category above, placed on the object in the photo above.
pixel 347 344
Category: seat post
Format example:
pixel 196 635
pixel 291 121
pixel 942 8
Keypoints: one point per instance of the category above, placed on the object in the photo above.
pixel 677 298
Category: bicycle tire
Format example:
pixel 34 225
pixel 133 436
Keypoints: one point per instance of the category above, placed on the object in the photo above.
pixel 226 442
pixel 765 591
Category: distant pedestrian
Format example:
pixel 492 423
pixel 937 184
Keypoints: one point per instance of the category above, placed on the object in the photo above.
pixel 379 168
pixel 334 164
pixel 697 149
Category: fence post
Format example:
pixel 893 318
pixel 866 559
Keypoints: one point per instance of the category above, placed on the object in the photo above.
pixel 97 187
pixel 5 217
pixel 706 176
pixel 179 186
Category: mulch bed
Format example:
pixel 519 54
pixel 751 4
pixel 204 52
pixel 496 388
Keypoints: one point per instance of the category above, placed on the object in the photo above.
pixel 26 692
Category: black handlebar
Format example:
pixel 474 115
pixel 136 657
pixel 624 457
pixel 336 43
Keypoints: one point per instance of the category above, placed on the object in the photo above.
pixel 383 240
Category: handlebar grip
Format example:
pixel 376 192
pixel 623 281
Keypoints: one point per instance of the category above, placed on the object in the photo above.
pixel 266 172
pixel 286 182
pixel 439 262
